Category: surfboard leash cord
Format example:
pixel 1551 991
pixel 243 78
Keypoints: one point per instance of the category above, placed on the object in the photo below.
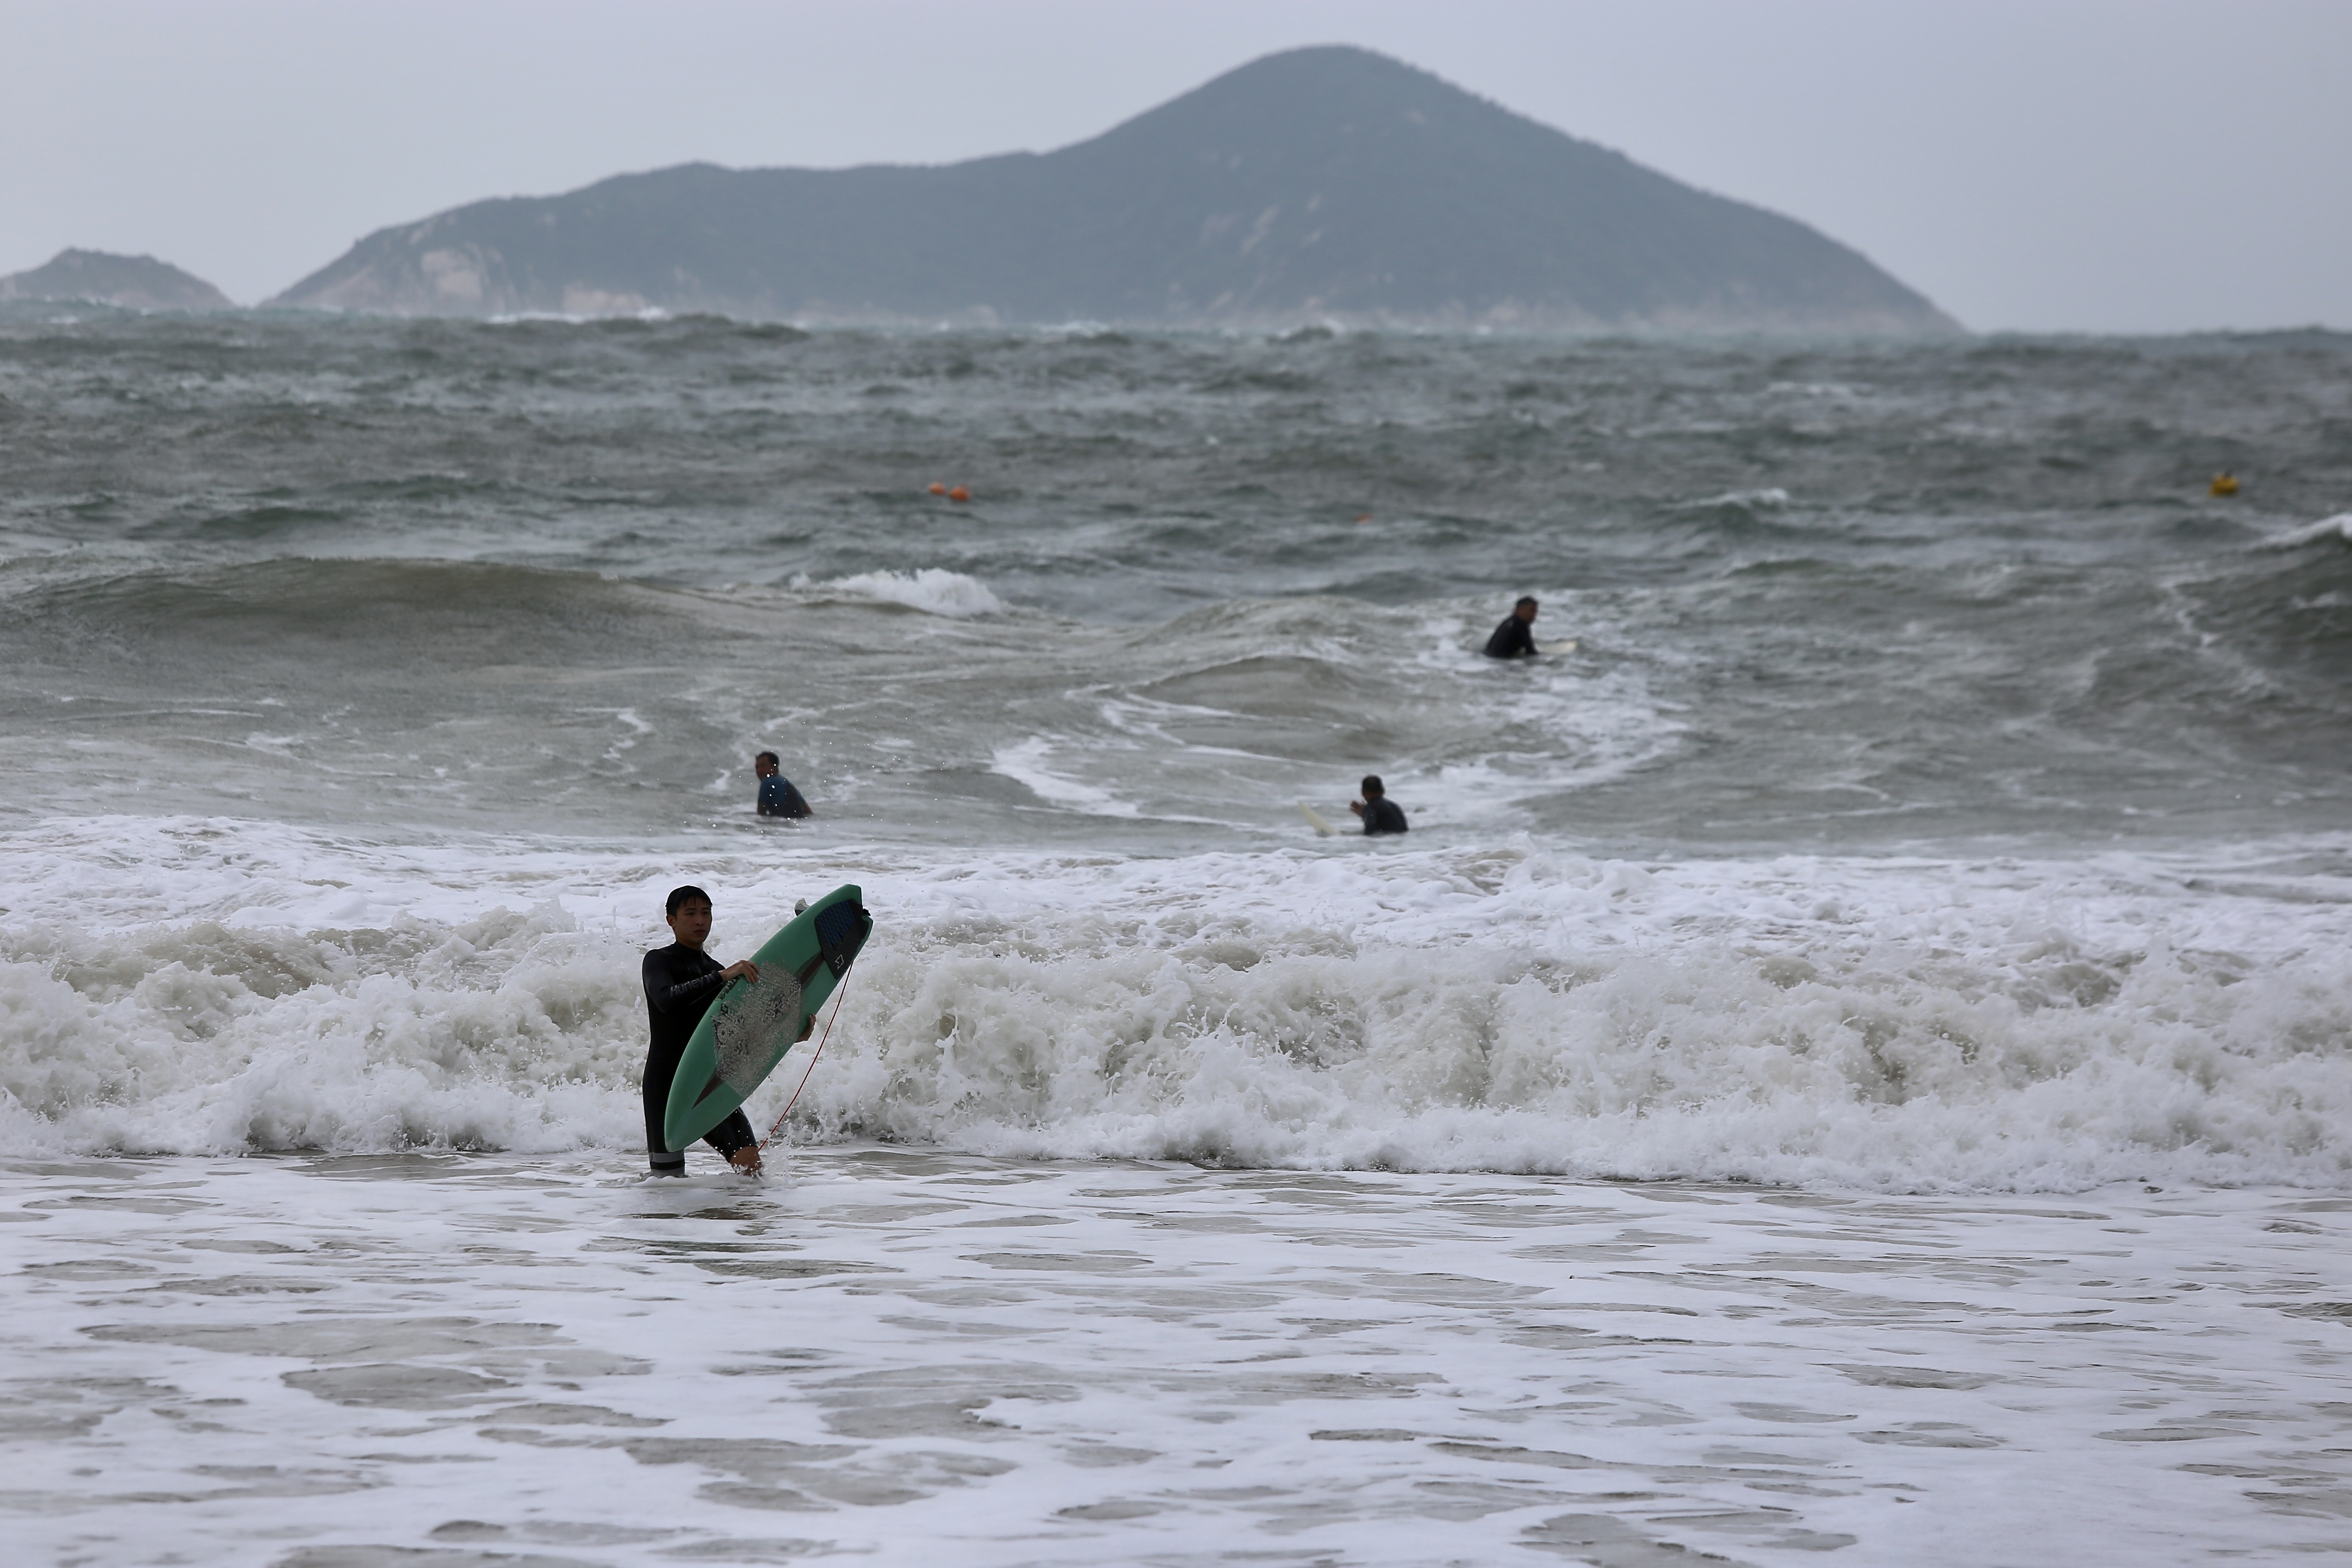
pixel 840 994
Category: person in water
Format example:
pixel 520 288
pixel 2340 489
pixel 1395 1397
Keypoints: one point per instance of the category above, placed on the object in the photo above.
pixel 1381 814
pixel 681 982
pixel 1515 639
pixel 777 796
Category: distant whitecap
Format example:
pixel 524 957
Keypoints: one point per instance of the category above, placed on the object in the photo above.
pixel 930 589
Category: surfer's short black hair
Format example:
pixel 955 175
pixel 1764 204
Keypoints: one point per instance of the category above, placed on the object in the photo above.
pixel 679 895
pixel 1373 786
pixel 769 757
pixel 1527 599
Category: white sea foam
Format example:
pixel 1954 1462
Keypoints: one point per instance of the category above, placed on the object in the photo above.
pixel 929 589
pixel 1024 761
pixel 1566 720
pixel 1832 391
pixel 2336 527
pixel 1772 498
pixel 894 1356
pixel 1887 1024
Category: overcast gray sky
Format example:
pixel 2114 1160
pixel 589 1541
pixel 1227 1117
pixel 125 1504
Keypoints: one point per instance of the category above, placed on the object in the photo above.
pixel 2094 166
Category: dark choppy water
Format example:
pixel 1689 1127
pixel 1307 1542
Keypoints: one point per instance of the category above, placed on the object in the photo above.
pixel 439 615
pixel 484 575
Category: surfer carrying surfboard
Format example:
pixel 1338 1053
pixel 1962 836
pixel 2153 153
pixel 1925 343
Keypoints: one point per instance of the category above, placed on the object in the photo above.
pixel 681 982
pixel 1515 639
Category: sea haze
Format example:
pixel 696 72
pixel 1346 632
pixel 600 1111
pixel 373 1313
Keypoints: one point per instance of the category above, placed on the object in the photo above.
pixel 1851 1057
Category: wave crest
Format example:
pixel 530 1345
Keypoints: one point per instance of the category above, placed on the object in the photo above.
pixel 2022 1028
pixel 2338 528
pixel 930 589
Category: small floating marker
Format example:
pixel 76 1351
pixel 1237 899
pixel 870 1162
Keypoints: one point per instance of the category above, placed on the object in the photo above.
pixel 2225 483
pixel 937 489
pixel 959 493
pixel 1363 517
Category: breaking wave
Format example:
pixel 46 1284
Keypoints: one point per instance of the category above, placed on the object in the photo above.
pixel 930 589
pixel 2337 528
pixel 1858 1024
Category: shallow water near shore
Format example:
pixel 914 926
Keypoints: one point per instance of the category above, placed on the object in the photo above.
pixel 889 1354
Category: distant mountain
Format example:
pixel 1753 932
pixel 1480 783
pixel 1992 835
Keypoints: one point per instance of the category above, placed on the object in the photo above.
pixel 1318 185
pixel 137 282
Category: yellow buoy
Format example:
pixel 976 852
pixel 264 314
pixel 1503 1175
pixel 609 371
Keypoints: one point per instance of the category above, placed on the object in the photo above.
pixel 2225 483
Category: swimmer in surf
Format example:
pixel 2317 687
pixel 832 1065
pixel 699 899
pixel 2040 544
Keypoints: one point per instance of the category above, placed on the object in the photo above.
pixel 1514 638
pixel 1381 814
pixel 777 796
pixel 681 982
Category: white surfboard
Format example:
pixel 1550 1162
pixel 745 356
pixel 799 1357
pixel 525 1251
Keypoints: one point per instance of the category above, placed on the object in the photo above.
pixel 1315 820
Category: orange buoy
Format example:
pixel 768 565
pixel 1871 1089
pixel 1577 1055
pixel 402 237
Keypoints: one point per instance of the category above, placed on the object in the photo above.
pixel 959 493
pixel 2225 483
pixel 1364 517
pixel 937 489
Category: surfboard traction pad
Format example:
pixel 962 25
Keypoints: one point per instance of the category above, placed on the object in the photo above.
pixel 746 1023
pixel 753 1026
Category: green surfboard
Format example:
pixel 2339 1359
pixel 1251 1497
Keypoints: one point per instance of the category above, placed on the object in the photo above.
pixel 749 1028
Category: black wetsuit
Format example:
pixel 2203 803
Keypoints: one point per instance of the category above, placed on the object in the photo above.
pixel 1514 638
pixel 779 798
pixel 680 984
pixel 1382 815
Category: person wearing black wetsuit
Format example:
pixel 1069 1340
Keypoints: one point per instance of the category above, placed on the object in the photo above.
pixel 1515 639
pixel 1381 814
pixel 777 796
pixel 681 982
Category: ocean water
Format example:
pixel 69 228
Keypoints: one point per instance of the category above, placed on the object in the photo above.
pixel 1924 843
pixel 902 1355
